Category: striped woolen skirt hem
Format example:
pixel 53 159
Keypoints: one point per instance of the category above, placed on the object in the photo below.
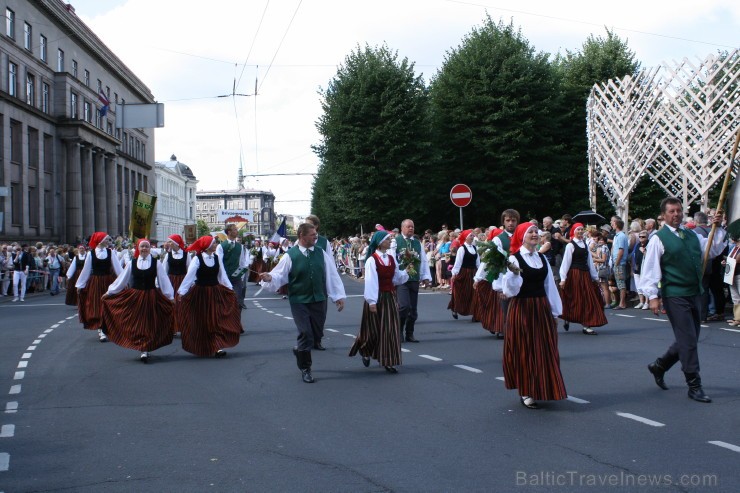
pixel 139 319
pixel 461 300
pixel 481 300
pixel 71 297
pixel 492 319
pixel 531 357
pixel 380 336
pixel 582 301
pixel 89 303
pixel 209 319
pixel 176 280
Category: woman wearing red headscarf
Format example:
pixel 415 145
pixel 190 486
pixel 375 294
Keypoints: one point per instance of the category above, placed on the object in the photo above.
pixel 73 273
pixel 176 263
pixel 531 357
pixel 485 299
pixel 582 302
pixel 136 314
pixel 99 271
pixel 207 311
pixel 466 263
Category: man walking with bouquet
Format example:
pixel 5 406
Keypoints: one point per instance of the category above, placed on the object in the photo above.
pixel 409 253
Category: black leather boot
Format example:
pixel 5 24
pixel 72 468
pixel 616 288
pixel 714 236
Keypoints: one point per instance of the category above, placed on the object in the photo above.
pixel 657 368
pixel 304 362
pixel 695 391
pixel 410 331
pixel 401 326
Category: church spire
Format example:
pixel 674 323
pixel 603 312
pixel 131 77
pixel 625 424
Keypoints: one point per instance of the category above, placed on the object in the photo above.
pixel 240 177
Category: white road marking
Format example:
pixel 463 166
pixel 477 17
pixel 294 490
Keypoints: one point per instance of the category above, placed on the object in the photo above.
pixel 726 445
pixel 729 330
pixel 61 321
pixel 577 400
pixel 37 341
pixel 501 378
pixel 656 319
pixel 19 375
pixel 404 350
pixel 468 368
pixel 15 389
pixel 623 315
pixel 331 330
pixel 7 431
pixel 289 318
pixel 349 335
pixel 705 326
pixel 26 355
pixel 433 358
pixel 73 316
pixel 41 336
pixel 4 461
pixel 31 348
pixel 640 419
pixel 270 311
pixel 52 327
pixel 47 331
pixel 22 364
pixel 11 407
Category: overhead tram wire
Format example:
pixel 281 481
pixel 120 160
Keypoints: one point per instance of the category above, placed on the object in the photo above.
pixel 281 43
pixel 254 39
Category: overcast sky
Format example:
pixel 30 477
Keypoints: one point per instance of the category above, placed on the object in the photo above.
pixel 189 52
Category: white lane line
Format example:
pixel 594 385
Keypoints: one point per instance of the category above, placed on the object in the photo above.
pixel 37 341
pixel 270 311
pixel 19 375
pixel 7 431
pixel 433 358
pixel 404 350
pixel 31 348
pixel 11 407
pixel 623 315
pixel 47 331
pixel 15 389
pixel 349 335
pixel 641 419
pixel 331 330
pixel 26 355
pixel 289 318
pixel 73 316
pixel 22 364
pixel 4 461
pixel 729 330
pixel 577 400
pixel 656 319
pixel 61 321
pixel 726 445
pixel 41 336
pixel 468 368
pixel 501 378
pixel 705 326
pixel 52 327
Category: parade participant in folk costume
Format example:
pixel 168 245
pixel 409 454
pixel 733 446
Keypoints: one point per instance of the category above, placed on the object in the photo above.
pixel 136 313
pixel 236 260
pixel 176 261
pixel 379 337
pixel 510 220
pixel 73 273
pixel 582 302
pixel 311 277
pixel 100 269
pixel 258 254
pixel 485 299
pixel 409 254
pixel 531 357
pixel 322 242
pixel 209 318
pixel 674 258
pixel 467 262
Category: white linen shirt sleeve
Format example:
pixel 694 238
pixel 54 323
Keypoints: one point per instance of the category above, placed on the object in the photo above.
pixel 279 274
pixel 512 283
pixel 425 274
pixel 480 274
pixel 121 282
pixel 567 260
pixel 189 280
pixel 165 286
pixel 84 273
pixel 371 282
pixel 458 261
pixel 334 286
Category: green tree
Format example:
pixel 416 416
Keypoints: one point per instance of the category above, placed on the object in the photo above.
pixel 203 229
pixel 375 150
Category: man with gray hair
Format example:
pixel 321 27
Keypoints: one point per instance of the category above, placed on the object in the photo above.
pixel 650 227
pixel 408 293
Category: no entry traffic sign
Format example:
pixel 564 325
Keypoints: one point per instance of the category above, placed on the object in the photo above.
pixel 461 195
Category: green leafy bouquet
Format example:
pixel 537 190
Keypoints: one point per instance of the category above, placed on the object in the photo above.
pixel 496 262
pixel 409 259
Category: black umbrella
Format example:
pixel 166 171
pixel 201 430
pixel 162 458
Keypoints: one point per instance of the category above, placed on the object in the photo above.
pixel 588 217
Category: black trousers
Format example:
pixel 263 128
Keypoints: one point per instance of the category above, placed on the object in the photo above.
pixel 408 300
pixel 685 315
pixel 309 319
pixel 238 284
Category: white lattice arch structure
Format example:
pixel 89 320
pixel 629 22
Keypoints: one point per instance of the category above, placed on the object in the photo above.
pixel 675 123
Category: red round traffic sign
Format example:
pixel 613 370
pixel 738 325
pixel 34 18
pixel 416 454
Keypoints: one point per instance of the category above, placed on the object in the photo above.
pixel 461 195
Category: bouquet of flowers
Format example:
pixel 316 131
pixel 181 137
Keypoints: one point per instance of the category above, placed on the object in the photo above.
pixel 496 262
pixel 409 259
pixel 256 253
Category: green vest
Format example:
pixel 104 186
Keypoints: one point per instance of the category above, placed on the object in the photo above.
pixel 322 243
pixel 680 264
pixel 415 244
pixel 505 240
pixel 232 253
pixel 307 277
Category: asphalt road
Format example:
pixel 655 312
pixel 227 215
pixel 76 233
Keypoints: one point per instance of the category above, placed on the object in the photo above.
pixel 81 416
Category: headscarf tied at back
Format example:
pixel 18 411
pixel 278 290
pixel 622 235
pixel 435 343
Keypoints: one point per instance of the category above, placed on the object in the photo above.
pixel 378 238
pixel 138 243
pixel 518 239
pixel 464 235
pixel 177 239
pixel 96 238
pixel 574 227
pixel 493 233
pixel 201 244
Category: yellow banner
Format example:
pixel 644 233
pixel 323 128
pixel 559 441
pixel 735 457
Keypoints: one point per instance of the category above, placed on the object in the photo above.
pixel 142 213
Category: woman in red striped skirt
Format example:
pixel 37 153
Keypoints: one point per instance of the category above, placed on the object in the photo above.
pixel 136 314
pixel 73 273
pixel 466 263
pixel 176 264
pixel 99 271
pixel 380 334
pixel 582 301
pixel 488 303
pixel 531 357
pixel 207 311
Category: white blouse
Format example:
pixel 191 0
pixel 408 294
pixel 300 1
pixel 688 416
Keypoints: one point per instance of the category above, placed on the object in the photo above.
pixel 512 283
pixel 125 278
pixel 191 276
pixel 459 258
pixel 73 265
pixel 177 255
pixel 279 274
pixel 372 287
pixel 568 259
pixel 100 254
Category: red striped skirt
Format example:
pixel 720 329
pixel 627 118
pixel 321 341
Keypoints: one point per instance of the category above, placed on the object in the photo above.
pixel 531 357
pixel 71 296
pixel 489 307
pixel 582 301
pixel 209 319
pixel 481 300
pixel 380 335
pixel 461 300
pixel 89 304
pixel 138 319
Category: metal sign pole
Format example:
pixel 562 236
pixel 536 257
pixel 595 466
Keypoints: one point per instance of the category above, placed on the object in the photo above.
pixel 461 223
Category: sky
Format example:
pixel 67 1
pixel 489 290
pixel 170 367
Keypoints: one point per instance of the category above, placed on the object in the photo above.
pixel 189 53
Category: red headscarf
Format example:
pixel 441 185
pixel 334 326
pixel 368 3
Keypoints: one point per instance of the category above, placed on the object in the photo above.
pixel 518 239
pixel 96 238
pixel 201 244
pixel 136 248
pixel 493 233
pixel 576 225
pixel 464 235
pixel 177 239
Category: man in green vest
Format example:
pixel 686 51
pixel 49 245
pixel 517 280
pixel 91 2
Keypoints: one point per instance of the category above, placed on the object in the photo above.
pixel 510 220
pixel 323 243
pixel 236 261
pixel 674 259
pixel 311 277
pixel 408 293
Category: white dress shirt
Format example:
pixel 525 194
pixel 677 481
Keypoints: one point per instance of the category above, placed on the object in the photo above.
pixel 568 259
pixel 424 272
pixel 73 265
pixel 459 258
pixel 372 286
pixel 279 274
pixel 125 278
pixel 192 274
pixel 100 254
pixel 512 283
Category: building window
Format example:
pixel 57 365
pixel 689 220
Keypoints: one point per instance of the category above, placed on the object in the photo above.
pixel 130 144
pixel 98 122
pixel 86 112
pixel 125 142
pixel 48 157
pixel 87 78
pixel 118 133
pixel 143 151
pixel 138 149
pixel 33 148
pixel 107 92
pixel 100 86
pixel 16 204
pixel 42 48
pixel 74 68
pixel 12 79
pixel 33 207
pixel 109 127
pixel 27 33
pixel 30 89
pixel 115 97
pixel 60 61
pixel 73 105
pixel 16 142
pixel 45 97
pixel 10 23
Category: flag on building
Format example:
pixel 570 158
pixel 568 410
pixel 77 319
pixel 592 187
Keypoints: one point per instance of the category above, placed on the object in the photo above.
pixel 106 103
pixel 280 233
